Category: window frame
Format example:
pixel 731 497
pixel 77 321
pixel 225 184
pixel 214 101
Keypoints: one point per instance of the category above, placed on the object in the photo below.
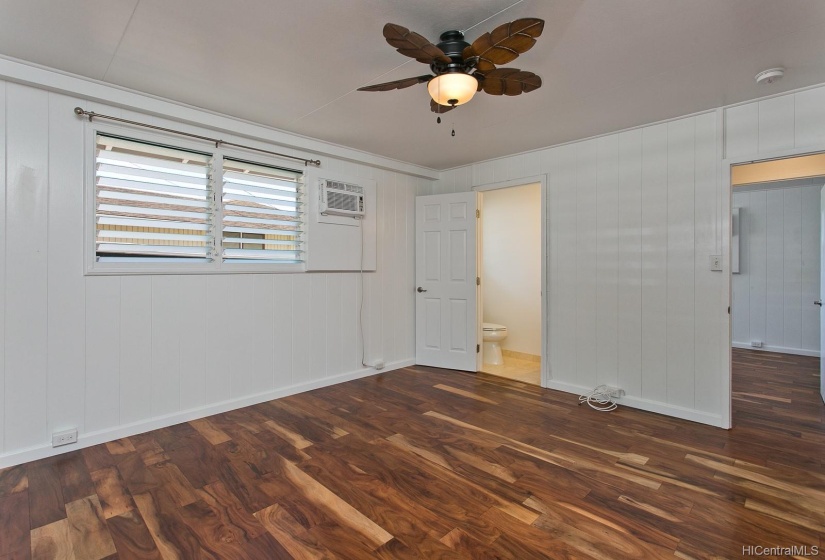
pixel 217 266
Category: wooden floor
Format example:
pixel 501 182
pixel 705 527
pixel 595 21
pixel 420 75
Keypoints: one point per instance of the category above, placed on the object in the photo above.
pixel 424 463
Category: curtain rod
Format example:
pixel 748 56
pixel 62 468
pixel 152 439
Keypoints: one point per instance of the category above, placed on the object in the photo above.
pixel 218 142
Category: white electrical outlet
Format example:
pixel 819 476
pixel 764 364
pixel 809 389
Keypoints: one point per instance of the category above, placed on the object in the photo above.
pixel 378 364
pixel 64 438
pixel 756 343
pixel 716 262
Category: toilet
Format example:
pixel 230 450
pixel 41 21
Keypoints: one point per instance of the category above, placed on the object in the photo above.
pixel 492 335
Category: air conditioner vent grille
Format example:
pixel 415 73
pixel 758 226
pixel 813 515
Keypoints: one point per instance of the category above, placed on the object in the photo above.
pixel 341 199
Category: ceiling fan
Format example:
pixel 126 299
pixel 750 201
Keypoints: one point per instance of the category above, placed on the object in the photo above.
pixel 459 69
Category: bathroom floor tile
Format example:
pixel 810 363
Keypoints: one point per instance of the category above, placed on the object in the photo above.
pixel 526 371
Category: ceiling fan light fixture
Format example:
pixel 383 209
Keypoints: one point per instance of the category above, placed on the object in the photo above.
pixel 452 89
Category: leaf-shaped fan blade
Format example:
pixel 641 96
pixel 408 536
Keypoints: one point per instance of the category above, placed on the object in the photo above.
pixel 397 84
pixel 410 43
pixel 504 43
pixel 509 81
pixel 437 108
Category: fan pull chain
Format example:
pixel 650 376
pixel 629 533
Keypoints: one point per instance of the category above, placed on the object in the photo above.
pixel 438 120
pixel 453 133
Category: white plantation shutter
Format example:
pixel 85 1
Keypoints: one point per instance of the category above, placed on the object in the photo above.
pixel 152 202
pixel 262 216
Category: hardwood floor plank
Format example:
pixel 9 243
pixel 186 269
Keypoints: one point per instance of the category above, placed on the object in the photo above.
pixel 45 493
pixel 88 531
pixel 52 542
pixel 14 524
pixel 13 480
pixel 131 537
pixel 112 493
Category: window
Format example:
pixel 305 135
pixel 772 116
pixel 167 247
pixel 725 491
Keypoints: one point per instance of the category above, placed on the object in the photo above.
pixel 159 207
pixel 261 207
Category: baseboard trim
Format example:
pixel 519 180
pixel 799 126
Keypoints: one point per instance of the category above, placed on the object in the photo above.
pixel 648 405
pixel 778 349
pixel 110 434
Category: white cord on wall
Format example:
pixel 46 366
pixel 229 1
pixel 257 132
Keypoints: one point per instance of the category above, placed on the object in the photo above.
pixel 602 398
pixel 361 301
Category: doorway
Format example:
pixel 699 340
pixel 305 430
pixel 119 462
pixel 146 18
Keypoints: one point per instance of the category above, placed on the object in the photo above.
pixel 776 260
pixel 510 269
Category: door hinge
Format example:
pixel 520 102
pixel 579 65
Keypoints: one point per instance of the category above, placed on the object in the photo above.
pixel 478 281
pixel 729 310
pixel 478 348
pixel 478 213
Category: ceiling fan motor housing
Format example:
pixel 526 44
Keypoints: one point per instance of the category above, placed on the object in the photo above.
pixel 453 44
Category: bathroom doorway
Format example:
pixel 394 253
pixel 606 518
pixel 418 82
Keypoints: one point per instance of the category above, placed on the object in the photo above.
pixel 510 270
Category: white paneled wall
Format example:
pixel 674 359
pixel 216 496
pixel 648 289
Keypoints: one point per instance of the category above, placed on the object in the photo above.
pixel 112 355
pixel 787 122
pixel 779 268
pixel 633 218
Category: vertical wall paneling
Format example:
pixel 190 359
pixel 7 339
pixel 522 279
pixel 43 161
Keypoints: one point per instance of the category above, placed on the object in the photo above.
pixel 792 236
pixel 654 262
pixel 757 217
pixel 263 334
pixel 680 262
pixel 283 337
pixel 192 304
pixel 350 352
pixel 66 292
pixel 391 260
pixel 136 348
pixel 27 168
pixel 373 292
pixel 774 293
pixel 3 264
pixel 809 117
pixel 776 124
pixel 742 130
pixel 586 263
pixel 319 328
pixel 709 285
pixel 167 324
pixel 301 327
pixel 607 260
pixel 102 353
pixel 774 245
pixel 564 296
pixel 810 256
pixel 246 316
pixel 334 324
pixel 218 362
pixel 740 300
pixel 629 276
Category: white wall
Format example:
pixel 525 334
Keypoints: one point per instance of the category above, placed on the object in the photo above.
pixel 778 282
pixel 115 355
pixel 632 220
pixel 511 283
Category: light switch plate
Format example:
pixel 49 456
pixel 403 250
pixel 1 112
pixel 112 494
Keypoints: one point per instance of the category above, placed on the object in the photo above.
pixel 716 262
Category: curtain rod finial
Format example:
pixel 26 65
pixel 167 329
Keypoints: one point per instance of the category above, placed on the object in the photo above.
pixel 78 111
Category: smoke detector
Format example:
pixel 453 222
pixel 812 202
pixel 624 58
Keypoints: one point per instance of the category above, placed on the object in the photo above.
pixel 770 76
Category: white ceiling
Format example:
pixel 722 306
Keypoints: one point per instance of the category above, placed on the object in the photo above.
pixel 606 64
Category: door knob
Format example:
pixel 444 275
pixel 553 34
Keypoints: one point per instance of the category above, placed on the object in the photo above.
pixel 421 290
pixel 818 302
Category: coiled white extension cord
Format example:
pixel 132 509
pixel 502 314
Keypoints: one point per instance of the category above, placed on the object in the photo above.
pixel 601 398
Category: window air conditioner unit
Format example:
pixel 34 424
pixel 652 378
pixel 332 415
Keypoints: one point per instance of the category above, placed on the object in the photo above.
pixel 341 199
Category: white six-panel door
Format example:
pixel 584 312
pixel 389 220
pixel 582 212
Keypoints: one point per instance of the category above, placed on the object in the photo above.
pixel 446 313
